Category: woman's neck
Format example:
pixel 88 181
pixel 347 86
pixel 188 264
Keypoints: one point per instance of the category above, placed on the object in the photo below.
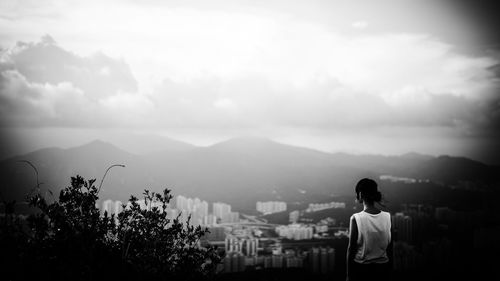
pixel 369 207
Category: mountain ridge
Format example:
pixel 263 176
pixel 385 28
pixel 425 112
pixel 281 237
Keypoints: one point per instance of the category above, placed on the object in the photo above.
pixel 238 171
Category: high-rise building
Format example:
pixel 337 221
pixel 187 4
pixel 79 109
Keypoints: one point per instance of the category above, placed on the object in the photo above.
pixel 108 206
pixel 198 209
pixel 250 247
pixel 259 260
pixel 233 244
pixel 234 262
pixel 327 260
pixel 241 262
pixel 295 231
pixel 235 266
pixel 331 259
pixel 118 208
pixel 271 207
pixel 322 260
pixel 402 225
pixel 231 217
pixel 227 263
pixel 406 257
pixel 112 207
pixel 202 208
pixel 250 261
pixel 190 205
pixel 314 207
pixel 291 262
pixel 277 250
pixel 277 261
pixel 294 216
pixel 209 220
pixel 181 203
pixel 268 261
pixel 220 210
pixel 314 260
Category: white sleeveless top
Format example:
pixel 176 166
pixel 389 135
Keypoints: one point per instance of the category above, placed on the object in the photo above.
pixel 374 235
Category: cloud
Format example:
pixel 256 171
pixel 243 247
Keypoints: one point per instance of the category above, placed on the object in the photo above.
pixel 254 103
pixel 43 85
pixel 129 110
pixel 46 62
pixel 14 10
pixel 225 104
pixel 452 90
pixel 359 25
pixel 250 71
pixel 35 104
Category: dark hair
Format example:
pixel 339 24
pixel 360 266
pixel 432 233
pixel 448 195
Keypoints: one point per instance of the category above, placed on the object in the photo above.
pixel 367 189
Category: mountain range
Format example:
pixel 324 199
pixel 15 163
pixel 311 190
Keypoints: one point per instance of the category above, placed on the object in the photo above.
pixel 238 171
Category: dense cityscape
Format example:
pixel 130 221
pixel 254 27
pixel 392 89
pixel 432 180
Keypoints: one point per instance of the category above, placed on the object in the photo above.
pixel 252 242
pixel 426 238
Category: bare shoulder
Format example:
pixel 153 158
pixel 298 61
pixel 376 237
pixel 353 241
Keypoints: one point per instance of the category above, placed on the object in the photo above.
pixel 353 218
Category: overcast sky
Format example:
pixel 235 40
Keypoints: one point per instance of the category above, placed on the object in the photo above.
pixel 384 77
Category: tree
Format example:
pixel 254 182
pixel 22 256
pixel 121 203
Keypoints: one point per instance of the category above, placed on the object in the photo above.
pixel 159 246
pixel 70 239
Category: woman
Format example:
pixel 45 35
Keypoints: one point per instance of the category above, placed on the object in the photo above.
pixel 369 254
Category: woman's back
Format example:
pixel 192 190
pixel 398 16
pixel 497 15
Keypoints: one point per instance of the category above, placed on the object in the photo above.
pixel 374 236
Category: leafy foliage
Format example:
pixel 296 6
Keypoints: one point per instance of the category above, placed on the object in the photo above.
pixel 160 246
pixel 70 239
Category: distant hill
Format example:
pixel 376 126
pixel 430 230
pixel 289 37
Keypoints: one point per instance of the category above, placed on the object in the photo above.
pixel 55 167
pixel 238 171
pixel 143 144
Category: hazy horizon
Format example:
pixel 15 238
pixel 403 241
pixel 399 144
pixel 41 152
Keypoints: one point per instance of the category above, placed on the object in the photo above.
pixel 154 143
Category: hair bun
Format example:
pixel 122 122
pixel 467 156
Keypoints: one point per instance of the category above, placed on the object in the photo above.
pixel 367 190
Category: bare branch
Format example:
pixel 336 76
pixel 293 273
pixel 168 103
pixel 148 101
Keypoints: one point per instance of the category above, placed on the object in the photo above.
pixel 109 168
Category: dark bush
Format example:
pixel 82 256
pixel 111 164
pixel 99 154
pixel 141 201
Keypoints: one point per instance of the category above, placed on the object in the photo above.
pixel 69 239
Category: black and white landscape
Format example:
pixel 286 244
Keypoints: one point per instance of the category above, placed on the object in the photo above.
pixel 269 112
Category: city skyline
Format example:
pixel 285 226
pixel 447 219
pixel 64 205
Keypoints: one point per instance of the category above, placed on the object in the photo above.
pixel 420 241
